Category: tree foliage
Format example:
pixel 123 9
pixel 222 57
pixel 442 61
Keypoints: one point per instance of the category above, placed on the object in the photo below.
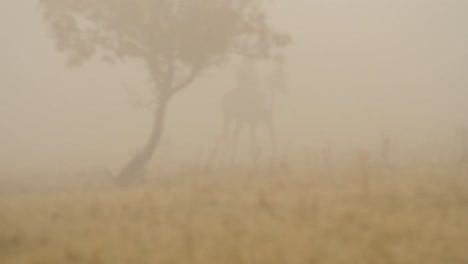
pixel 175 39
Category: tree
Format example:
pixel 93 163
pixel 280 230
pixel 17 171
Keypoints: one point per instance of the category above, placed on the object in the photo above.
pixel 175 40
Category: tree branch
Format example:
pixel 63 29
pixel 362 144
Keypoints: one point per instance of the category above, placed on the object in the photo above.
pixel 138 99
pixel 194 71
pixel 158 73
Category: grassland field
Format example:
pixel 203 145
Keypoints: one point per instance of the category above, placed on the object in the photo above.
pixel 417 215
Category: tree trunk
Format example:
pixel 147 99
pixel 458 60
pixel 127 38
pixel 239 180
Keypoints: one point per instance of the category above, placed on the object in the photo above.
pixel 135 168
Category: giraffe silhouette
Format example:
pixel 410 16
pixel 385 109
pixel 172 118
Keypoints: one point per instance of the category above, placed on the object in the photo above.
pixel 248 106
pixel 245 108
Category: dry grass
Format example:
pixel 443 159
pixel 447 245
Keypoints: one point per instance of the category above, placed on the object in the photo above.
pixel 411 216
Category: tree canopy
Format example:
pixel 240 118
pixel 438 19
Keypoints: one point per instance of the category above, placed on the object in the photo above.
pixel 176 39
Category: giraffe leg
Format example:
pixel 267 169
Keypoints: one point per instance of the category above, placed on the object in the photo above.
pixel 253 129
pixel 225 139
pixel 214 151
pixel 255 149
pixel 271 131
pixel 221 144
pixel 235 135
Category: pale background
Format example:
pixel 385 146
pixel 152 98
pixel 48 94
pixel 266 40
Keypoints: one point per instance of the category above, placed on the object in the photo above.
pixel 358 69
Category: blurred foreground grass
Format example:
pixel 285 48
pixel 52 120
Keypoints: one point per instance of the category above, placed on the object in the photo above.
pixel 409 216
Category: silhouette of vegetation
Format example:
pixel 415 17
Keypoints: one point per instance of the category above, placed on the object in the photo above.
pixel 175 40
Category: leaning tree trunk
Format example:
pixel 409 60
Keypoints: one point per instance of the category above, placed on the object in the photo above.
pixel 134 170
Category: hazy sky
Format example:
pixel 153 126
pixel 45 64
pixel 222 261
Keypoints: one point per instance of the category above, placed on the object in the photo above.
pixel 357 68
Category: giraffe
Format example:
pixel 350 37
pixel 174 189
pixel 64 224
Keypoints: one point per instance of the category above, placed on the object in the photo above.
pixel 246 108
pixel 240 109
pixel 249 106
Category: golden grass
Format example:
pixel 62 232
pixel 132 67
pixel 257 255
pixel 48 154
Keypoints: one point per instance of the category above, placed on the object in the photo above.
pixel 412 216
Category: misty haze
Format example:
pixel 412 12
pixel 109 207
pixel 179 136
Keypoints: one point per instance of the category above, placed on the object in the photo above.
pixel 233 131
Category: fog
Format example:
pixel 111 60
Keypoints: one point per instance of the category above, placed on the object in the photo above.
pixel 357 70
pixel 118 124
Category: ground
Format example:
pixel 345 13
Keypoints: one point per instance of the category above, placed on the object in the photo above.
pixel 417 215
